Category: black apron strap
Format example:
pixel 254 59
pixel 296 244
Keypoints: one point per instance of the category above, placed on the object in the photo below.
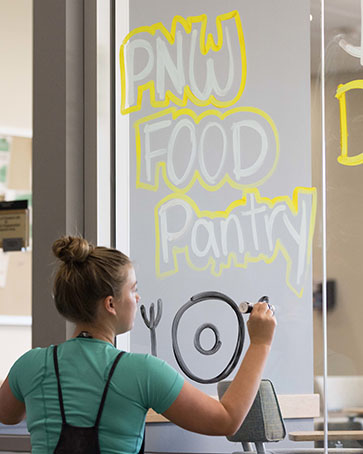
pixel 142 449
pixel 60 397
pixel 99 414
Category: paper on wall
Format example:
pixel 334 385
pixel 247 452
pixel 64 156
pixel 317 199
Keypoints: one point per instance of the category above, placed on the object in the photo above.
pixel 16 194
pixel 5 153
pixel 4 264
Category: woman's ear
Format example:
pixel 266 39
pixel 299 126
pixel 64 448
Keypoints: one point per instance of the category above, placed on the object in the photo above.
pixel 108 303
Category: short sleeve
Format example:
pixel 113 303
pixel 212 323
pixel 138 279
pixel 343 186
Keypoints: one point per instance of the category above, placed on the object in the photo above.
pixel 163 383
pixel 25 372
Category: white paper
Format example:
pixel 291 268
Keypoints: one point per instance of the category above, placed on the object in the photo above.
pixel 4 165
pixel 4 263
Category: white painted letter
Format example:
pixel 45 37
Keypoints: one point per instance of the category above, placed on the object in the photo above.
pixel 211 81
pixel 300 238
pixel 131 76
pixel 252 212
pixel 150 154
pixel 211 240
pixel 212 178
pixel 224 234
pixel 184 123
pixel 237 151
pixel 166 236
pixel 269 222
pixel 164 63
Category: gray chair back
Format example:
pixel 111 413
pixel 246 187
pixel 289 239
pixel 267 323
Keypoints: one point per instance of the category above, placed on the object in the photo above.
pixel 264 422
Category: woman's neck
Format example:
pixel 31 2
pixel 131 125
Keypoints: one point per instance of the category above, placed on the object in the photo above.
pixel 106 334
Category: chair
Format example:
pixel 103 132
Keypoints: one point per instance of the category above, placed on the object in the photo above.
pixel 263 422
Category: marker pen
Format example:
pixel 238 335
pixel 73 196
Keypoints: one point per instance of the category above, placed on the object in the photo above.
pixel 246 308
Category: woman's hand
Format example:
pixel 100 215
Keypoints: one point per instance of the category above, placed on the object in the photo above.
pixel 261 324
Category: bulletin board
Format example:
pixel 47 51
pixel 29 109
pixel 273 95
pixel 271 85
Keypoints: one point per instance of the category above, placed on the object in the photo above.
pixel 213 126
pixel 15 184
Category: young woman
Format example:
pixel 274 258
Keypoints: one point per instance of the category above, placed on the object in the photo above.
pixel 85 391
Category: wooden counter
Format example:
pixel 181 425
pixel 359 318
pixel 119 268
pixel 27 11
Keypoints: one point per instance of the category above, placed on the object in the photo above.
pixel 333 435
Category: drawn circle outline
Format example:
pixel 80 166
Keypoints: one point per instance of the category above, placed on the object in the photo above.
pixel 217 343
pixel 239 344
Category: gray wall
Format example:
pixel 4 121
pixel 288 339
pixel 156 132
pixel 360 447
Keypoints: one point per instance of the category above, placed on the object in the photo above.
pixel 57 148
pixel 68 179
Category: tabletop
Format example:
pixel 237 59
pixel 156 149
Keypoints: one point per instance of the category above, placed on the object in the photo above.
pixel 356 411
pixel 333 435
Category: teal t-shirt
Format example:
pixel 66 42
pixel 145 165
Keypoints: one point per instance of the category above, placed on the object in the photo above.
pixel 139 382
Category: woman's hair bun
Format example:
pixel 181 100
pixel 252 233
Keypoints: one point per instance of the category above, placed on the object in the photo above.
pixel 71 249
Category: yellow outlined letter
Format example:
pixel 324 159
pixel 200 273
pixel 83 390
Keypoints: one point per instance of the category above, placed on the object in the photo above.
pixel 340 95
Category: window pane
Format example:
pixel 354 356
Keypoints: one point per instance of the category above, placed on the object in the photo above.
pixel 343 135
pixel 15 180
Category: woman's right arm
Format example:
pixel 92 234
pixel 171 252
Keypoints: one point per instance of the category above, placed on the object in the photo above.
pixel 196 411
pixel 12 410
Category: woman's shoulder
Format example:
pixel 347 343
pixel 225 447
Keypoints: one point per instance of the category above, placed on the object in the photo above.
pixel 152 365
pixel 32 356
pixel 141 358
pixel 27 370
pixel 33 360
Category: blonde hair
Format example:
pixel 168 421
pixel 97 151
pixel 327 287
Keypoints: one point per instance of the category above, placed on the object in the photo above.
pixel 88 274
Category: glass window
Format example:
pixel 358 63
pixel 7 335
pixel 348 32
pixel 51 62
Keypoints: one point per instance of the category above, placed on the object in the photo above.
pixel 214 128
pixel 341 140
pixel 15 180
